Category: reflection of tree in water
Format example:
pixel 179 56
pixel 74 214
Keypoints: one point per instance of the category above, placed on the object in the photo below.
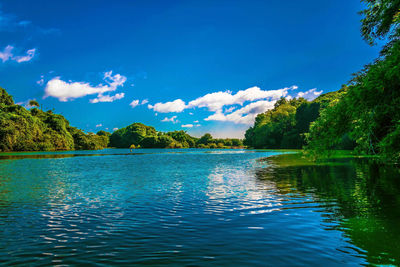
pixel 362 196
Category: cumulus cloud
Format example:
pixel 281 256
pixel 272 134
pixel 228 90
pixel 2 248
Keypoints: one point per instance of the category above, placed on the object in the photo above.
pixel 310 94
pixel 65 91
pixel 114 129
pixel 144 101
pixel 172 119
pixel 216 101
pixel 176 106
pixel 245 115
pixel 99 125
pixel 134 103
pixel 7 54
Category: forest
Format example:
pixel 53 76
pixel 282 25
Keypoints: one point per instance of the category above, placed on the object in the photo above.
pixel 363 116
pixel 32 129
pixel 138 135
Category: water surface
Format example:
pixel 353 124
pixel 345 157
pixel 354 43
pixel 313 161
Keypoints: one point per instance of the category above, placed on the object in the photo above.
pixel 196 207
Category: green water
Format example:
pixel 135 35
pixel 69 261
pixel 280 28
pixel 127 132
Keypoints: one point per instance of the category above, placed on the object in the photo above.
pixel 196 207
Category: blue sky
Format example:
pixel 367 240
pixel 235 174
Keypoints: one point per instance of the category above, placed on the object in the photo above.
pixel 201 66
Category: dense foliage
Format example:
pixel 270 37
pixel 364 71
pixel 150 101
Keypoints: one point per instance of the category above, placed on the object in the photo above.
pixel 381 19
pixel 369 112
pixel 286 125
pixel 138 135
pixel 34 129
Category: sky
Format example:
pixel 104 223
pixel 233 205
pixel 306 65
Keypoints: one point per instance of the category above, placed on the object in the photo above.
pixel 199 66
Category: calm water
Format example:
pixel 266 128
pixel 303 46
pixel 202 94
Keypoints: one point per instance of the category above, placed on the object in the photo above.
pixel 196 207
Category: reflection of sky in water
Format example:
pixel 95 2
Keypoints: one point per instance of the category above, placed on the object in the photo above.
pixel 162 207
pixel 235 189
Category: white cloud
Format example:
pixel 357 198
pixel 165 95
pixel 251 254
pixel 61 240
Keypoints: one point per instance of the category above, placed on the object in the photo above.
pixel 99 125
pixel 196 121
pixel 310 94
pixel 114 129
pixel 245 115
pixel 216 101
pixel 134 103
pixel 190 113
pixel 29 55
pixel 174 106
pixel 65 91
pixel 172 119
pixel 7 54
pixel 107 98
pixel 187 125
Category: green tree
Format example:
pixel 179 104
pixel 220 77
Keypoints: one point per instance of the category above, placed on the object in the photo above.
pixel 34 103
pixel 381 19
pixel 205 139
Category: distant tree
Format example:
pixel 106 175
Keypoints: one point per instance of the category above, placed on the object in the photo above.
pixel 34 103
pixel 205 139
pixel 103 133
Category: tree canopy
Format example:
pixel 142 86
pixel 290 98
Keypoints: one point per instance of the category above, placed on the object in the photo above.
pixel 381 19
pixel 33 130
pixel 138 134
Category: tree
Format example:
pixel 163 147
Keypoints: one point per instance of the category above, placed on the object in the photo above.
pixel 205 139
pixel 381 19
pixel 103 133
pixel 34 103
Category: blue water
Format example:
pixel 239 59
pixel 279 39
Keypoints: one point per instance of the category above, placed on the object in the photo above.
pixel 160 206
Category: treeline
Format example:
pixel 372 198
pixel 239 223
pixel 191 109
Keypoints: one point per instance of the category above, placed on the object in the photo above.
pixel 138 135
pixel 286 125
pixel 35 130
pixel 364 116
